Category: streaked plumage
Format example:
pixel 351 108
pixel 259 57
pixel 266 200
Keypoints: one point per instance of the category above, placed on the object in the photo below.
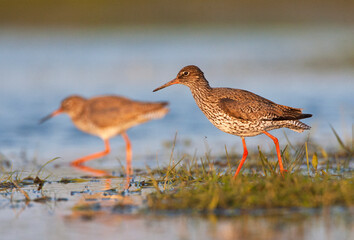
pixel 238 112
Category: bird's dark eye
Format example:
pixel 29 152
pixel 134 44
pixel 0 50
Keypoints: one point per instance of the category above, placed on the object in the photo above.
pixel 185 73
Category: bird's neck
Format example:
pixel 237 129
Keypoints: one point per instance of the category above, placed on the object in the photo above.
pixel 76 115
pixel 201 91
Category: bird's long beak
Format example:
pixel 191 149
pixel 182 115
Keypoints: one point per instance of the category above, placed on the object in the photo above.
pixel 174 81
pixel 56 112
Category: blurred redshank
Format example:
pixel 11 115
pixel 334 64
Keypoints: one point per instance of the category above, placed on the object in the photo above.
pixel 239 112
pixel 106 117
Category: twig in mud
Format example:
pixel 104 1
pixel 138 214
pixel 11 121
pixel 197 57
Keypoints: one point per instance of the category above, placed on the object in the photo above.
pixel 28 199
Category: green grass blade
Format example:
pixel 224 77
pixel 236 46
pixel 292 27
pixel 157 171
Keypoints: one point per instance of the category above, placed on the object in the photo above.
pixel 46 165
pixel 341 142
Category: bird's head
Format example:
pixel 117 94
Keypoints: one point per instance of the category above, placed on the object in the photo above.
pixel 190 76
pixel 72 105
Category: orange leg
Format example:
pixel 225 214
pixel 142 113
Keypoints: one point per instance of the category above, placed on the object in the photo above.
pixel 276 142
pixel 93 171
pixel 128 154
pixel 107 184
pixel 245 153
pixel 80 161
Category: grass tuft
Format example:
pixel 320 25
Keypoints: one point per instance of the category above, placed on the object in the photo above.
pixel 219 192
pixel 316 178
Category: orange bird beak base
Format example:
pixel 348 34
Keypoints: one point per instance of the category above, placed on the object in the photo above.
pixel 174 81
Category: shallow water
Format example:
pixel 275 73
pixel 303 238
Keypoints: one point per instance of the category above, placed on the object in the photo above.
pixel 310 67
pixel 88 210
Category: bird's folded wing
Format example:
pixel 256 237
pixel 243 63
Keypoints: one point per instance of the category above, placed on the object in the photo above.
pixel 260 109
pixel 111 111
pixel 119 111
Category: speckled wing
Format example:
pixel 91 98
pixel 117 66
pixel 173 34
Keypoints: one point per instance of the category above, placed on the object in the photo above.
pixel 251 107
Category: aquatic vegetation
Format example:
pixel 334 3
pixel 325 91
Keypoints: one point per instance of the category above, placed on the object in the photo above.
pixel 316 178
pixel 214 191
pixel 14 180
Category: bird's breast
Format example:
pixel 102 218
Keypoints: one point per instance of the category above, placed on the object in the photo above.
pixel 227 123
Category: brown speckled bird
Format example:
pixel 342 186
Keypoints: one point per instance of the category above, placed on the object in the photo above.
pixel 239 112
pixel 108 116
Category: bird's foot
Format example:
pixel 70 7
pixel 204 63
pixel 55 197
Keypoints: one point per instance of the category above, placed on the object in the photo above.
pixel 283 172
pixel 76 164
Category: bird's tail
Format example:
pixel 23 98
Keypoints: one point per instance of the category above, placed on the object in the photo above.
pixel 305 115
pixel 156 110
pixel 298 126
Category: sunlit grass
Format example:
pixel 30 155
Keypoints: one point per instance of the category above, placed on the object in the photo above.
pixel 315 178
pixel 16 180
pixel 214 191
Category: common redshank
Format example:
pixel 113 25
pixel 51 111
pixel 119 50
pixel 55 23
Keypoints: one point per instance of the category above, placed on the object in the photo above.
pixel 106 117
pixel 239 112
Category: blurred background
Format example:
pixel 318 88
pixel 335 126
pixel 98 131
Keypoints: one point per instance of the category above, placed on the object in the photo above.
pixel 296 53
